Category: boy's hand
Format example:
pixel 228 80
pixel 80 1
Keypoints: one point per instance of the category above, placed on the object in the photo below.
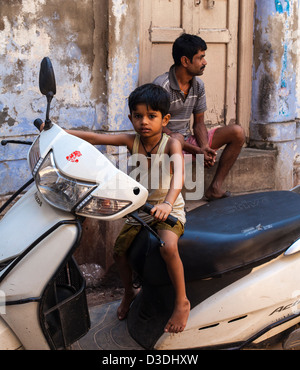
pixel 161 211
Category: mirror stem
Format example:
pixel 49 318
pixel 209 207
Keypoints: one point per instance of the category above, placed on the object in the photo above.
pixel 48 123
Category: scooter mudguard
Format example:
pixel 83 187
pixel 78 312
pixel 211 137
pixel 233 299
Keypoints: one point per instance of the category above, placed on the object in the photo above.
pixel 238 279
pixel 36 243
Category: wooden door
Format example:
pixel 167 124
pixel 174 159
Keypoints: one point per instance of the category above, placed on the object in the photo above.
pixel 217 23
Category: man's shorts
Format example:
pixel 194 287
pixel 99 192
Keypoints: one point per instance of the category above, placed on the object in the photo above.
pixel 129 232
pixel 192 140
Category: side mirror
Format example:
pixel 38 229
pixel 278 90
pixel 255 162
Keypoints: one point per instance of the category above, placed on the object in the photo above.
pixel 47 77
pixel 47 86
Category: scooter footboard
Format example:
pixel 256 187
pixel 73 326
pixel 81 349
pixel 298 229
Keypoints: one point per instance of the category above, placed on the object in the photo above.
pixel 64 314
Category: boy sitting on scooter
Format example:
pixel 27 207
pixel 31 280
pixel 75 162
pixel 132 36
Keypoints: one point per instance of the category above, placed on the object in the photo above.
pixel 149 106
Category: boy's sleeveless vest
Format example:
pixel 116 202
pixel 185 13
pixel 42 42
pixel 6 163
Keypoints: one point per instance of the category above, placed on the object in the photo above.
pixel 156 179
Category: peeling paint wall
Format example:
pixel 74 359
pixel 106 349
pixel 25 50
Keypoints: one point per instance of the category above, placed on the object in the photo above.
pixel 62 30
pixel 275 98
pixel 275 59
pixel 123 60
pixel 93 46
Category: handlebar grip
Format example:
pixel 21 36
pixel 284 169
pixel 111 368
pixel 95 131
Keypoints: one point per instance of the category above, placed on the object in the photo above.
pixel 171 220
pixel 37 123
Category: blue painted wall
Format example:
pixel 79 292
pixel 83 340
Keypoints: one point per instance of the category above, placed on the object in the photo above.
pixel 275 62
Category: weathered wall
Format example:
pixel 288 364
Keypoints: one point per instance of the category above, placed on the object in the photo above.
pixel 123 60
pixel 74 35
pixel 122 64
pixel 275 59
pixel 274 96
pixel 93 45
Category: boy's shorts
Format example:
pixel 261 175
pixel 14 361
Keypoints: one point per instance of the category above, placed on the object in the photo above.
pixel 129 232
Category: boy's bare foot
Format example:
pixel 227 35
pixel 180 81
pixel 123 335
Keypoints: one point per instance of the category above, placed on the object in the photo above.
pixel 178 320
pixel 127 299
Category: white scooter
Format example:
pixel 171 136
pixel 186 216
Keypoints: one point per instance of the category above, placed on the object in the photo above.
pixel 241 257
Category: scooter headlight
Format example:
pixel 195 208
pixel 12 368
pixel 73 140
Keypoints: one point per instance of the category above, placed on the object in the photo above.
pixel 57 189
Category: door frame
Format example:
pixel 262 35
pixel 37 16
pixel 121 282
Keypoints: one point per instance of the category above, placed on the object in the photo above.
pixel 245 64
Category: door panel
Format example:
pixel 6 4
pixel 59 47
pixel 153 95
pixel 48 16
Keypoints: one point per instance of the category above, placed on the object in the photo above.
pixel 162 8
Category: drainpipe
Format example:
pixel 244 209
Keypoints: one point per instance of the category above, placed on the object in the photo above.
pixel 273 121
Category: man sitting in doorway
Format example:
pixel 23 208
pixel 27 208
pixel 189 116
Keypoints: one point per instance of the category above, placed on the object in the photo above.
pixel 187 98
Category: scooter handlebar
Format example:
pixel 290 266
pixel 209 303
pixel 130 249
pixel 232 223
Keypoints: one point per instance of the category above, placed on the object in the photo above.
pixel 171 220
pixel 24 142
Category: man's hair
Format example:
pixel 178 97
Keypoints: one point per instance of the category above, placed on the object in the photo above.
pixel 153 96
pixel 187 45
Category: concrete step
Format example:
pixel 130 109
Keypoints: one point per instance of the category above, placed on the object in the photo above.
pixel 253 171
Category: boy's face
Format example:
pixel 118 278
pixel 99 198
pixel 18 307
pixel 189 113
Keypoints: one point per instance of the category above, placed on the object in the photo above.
pixel 146 121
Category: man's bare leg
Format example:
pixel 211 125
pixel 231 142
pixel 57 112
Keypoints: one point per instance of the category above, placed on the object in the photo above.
pixel 233 137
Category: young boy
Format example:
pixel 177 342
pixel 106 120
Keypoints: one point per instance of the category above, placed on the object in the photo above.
pixel 149 106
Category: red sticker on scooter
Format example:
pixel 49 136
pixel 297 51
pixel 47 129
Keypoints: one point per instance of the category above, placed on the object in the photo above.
pixel 73 157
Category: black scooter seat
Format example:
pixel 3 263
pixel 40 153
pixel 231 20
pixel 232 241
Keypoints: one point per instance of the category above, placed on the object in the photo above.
pixel 224 236
pixel 237 232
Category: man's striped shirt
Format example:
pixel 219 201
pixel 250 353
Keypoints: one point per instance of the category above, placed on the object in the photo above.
pixel 182 107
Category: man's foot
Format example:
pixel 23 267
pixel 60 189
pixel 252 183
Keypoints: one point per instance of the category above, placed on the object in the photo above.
pixel 178 320
pixel 127 299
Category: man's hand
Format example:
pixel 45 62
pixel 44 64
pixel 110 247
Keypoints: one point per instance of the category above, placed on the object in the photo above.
pixel 209 157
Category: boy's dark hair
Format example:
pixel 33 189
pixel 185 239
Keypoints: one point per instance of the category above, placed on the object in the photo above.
pixel 153 96
pixel 187 45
